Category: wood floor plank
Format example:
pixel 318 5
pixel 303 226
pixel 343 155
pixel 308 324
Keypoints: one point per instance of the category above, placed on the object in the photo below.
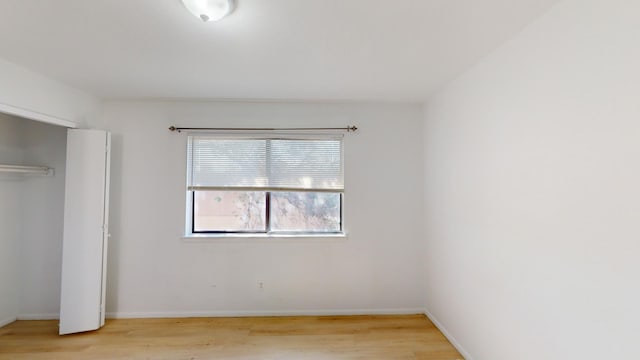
pixel 408 337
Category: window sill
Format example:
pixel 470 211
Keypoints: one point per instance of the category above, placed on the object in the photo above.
pixel 263 237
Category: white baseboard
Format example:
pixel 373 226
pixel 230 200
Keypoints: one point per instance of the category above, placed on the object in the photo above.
pixel 50 316
pixel 448 335
pixel 233 313
pixel 7 321
pixel 261 313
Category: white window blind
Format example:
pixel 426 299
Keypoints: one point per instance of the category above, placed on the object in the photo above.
pixel 265 164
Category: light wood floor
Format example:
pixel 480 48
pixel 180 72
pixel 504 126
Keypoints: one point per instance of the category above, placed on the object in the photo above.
pixel 300 338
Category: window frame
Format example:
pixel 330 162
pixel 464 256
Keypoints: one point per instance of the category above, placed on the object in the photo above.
pixel 190 231
pixel 267 228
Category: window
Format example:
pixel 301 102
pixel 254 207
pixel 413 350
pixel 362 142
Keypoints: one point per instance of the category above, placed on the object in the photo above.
pixel 265 185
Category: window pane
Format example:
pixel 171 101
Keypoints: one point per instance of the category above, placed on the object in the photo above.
pixel 220 162
pixel 305 211
pixel 265 163
pixel 229 211
pixel 306 164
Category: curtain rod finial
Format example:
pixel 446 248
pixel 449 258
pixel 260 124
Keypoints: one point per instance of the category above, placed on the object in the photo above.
pixel 173 128
pixel 352 128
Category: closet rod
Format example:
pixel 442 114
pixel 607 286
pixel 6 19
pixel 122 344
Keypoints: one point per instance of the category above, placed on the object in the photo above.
pixel 351 128
pixel 19 169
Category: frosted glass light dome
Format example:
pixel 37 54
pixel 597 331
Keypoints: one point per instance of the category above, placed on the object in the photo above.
pixel 209 10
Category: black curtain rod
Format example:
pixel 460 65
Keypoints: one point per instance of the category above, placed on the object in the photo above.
pixel 351 128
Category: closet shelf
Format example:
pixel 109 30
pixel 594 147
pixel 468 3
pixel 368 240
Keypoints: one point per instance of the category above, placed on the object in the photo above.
pixel 26 170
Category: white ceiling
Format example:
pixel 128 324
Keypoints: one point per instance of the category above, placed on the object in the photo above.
pixel 266 49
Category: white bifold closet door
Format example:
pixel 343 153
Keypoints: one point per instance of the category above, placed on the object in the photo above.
pixel 84 249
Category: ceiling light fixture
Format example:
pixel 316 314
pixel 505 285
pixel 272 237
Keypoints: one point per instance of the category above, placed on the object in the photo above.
pixel 209 10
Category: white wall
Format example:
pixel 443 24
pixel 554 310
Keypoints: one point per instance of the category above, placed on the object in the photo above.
pixel 11 190
pixel 532 196
pixel 43 219
pixel 153 272
pixel 31 219
pixel 26 93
